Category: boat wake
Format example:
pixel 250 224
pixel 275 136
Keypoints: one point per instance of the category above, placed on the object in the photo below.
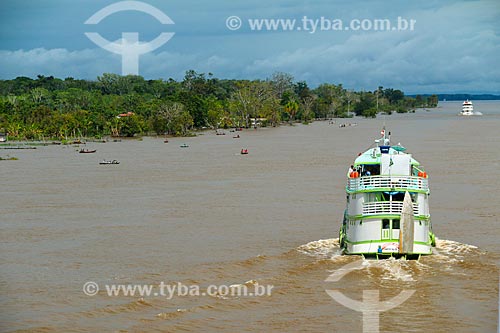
pixel 323 248
pixel 330 248
pixel 392 269
pixel 451 251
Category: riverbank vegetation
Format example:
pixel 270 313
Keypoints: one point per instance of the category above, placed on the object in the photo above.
pixel 115 105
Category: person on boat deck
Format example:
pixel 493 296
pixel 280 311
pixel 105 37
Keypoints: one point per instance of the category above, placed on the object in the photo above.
pixel 351 169
pixel 368 173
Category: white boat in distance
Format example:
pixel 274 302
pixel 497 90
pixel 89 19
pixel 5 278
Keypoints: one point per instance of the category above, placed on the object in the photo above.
pixel 387 210
pixel 467 108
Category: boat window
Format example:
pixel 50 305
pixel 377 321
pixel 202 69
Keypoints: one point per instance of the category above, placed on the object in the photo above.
pixel 398 196
pixel 370 169
pixel 395 224
pixel 386 224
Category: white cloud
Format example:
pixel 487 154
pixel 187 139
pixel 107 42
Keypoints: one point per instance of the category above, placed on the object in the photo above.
pixel 61 63
pixel 454 48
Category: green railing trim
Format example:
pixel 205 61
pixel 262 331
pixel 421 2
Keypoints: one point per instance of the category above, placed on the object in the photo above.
pixel 386 189
pixel 386 216
pixel 384 253
pixel 375 241
pixel 368 163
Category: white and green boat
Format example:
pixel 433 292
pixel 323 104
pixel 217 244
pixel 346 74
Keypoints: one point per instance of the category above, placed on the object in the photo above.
pixel 387 211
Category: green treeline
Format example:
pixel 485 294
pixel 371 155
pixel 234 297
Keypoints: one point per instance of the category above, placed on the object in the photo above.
pixel 49 107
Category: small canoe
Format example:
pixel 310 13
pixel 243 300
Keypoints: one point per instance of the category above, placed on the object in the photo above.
pixel 109 162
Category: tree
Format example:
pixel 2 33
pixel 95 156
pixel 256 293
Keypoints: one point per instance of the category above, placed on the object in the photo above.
pixel 281 82
pixel 38 94
pixel 365 101
pixel 215 112
pixel 419 101
pixel 172 118
pixel 393 96
pixel 292 107
pixel 350 97
pixel 183 122
pixel 302 90
pixel 131 125
pixel 241 105
pixel 432 101
pixel 329 99
pixel 307 104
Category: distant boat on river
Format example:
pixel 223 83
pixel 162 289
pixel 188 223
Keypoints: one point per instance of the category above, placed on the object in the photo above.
pixel 467 108
pixel 105 162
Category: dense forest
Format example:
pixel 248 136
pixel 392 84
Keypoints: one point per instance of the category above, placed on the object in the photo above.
pixel 52 108
pixel 463 97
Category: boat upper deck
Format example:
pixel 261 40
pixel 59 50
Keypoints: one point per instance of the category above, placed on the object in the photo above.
pixel 388 183
pixel 386 168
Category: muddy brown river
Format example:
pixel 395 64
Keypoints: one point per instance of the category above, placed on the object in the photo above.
pixel 206 215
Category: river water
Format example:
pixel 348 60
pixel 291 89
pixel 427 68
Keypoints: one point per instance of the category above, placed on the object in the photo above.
pixel 207 215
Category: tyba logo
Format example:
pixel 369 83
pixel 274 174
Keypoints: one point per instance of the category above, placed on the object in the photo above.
pixel 370 306
pixel 129 46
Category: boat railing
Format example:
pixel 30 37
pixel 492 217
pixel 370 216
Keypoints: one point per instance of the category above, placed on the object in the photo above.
pixel 387 182
pixel 386 207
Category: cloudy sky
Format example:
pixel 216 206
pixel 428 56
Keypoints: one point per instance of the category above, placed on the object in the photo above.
pixel 454 45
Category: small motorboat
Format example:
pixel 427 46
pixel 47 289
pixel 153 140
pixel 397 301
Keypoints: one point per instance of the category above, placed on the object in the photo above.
pixel 165 141
pixel 87 151
pixel 236 136
pixel 184 145
pixel 104 162
pixel 220 133
pixel 244 151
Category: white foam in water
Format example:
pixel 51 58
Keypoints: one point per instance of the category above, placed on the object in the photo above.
pixel 323 248
pixel 446 251
pixel 449 252
pixel 444 246
pixel 394 269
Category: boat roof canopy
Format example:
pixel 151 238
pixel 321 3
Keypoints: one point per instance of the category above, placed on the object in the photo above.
pixel 373 156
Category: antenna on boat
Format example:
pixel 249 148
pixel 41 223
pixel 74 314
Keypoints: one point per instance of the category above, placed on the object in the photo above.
pixel 386 137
